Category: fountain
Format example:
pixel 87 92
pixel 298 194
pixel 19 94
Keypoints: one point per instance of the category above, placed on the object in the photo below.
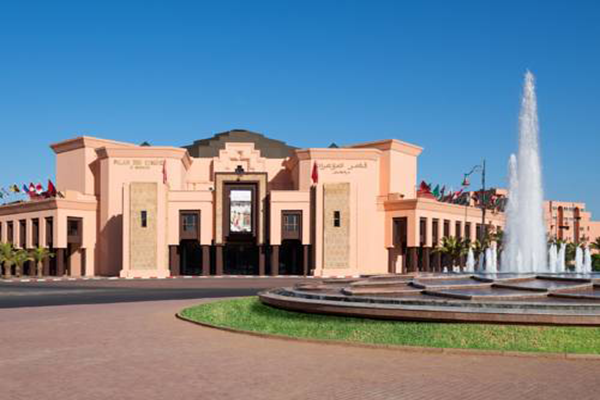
pixel 553 259
pixel 521 292
pixel 578 260
pixel 525 230
pixel 470 264
pixel 562 259
pixel 587 261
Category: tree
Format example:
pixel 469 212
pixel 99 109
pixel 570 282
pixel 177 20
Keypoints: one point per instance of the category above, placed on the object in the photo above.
pixel 39 254
pixel 595 245
pixel 7 258
pixel 478 248
pixel 21 256
pixel 596 262
pixel 453 247
pixel 498 237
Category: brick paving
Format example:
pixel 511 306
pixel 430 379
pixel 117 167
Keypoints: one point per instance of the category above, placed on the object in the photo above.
pixel 140 351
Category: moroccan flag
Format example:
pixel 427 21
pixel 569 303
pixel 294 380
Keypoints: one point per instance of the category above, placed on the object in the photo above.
pixel 315 174
pixel 51 189
pixel 39 189
pixel 31 188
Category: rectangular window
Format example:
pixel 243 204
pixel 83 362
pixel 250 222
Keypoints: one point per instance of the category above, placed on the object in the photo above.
pixel 10 233
pixel 337 219
pixel 468 230
pixel 22 233
pixel 435 231
pixel 290 222
pixel 423 231
pixel 458 230
pixel 49 232
pixel 446 228
pixel 72 227
pixel 190 222
pixel 144 219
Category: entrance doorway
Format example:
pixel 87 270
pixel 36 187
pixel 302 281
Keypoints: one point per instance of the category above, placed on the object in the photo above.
pixel 191 257
pixel 240 259
pixel 291 257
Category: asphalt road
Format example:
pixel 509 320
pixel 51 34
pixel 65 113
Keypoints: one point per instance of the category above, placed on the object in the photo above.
pixel 39 294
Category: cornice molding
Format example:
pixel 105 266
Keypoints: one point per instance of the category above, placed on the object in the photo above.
pixel 47 204
pixel 87 141
pixel 391 144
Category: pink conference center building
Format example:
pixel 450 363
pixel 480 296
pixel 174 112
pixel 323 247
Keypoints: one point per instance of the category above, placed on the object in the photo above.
pixel 243 204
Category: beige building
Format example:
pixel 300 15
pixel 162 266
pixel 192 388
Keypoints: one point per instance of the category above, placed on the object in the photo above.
pixel 239 203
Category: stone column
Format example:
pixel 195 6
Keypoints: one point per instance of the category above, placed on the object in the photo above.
pixel 426 259
pixel 60 262
pixel 437 261
pixel 219 259
pixel 275 260
pixel 174 262
pixel 205 260
pixel 414 259
pixel 305 258
pixel 261 260
pixel 46 267
pixel 391 260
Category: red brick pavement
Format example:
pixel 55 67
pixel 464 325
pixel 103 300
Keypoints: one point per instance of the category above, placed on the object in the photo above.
pixel 140 351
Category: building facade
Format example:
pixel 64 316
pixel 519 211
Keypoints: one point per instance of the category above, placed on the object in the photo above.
pixel 239 203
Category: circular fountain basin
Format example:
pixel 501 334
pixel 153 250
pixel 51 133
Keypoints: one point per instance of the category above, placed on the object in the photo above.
pixel 498 298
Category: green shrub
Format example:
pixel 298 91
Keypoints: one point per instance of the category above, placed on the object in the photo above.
pixel 596 262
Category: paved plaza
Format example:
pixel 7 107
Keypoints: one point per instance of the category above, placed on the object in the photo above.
pixel 139 350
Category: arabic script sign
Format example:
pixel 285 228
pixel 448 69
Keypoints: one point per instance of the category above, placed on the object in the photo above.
pixel 342 167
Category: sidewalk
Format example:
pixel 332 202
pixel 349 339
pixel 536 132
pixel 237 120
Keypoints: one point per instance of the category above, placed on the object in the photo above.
pixel 141 351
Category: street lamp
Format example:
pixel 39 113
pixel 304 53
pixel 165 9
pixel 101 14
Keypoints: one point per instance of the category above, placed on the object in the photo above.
pixel 466 182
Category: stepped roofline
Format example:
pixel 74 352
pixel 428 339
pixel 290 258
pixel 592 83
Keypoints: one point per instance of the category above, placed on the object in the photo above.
pixel 269 148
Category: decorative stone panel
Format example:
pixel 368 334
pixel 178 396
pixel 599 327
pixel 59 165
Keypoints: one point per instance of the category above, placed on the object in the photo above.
pixel 143 239
pixel 336 239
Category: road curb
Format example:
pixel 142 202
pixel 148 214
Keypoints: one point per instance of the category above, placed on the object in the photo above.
pixel 409 349
pixel 118 278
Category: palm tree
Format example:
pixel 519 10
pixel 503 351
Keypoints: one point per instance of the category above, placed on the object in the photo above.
pixel 498 237
pixel 453 247
pixel 39 254
pixel 21 256
pixel 478 248
pixel 7 257
pixel 595 245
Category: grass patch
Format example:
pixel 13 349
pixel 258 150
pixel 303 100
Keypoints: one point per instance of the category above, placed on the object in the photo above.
pixel 250 314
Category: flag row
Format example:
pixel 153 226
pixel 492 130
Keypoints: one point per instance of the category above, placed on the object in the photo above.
pixel 34 191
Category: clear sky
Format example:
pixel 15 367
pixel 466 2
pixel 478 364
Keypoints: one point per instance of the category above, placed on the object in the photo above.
pixel 445 75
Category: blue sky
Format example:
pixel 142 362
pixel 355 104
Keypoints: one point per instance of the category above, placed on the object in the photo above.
pixel 444 75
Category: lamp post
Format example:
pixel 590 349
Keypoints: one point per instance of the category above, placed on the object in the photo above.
pixel 466 183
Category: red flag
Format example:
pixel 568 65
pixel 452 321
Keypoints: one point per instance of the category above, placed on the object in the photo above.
pixel 315 174
pixel 164 172
pixel 39 189
pixel 51 189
